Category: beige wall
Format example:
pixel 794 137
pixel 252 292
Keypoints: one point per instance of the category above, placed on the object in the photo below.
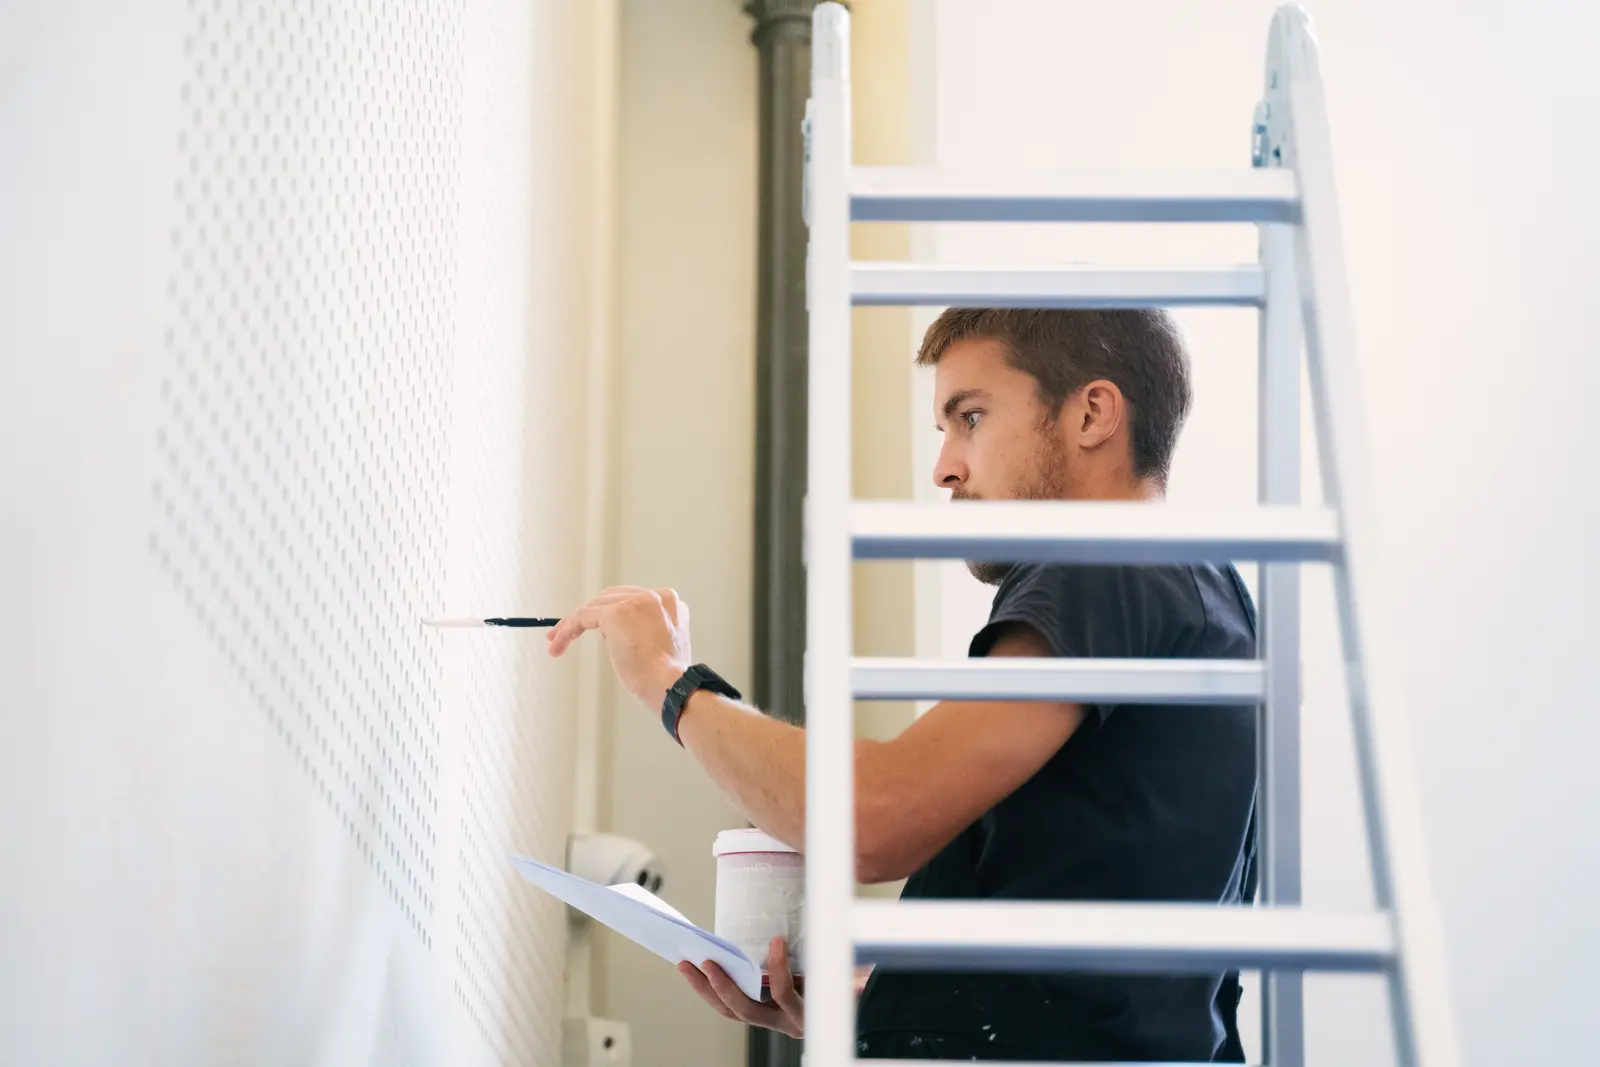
pixel 683 432
pixel 682 455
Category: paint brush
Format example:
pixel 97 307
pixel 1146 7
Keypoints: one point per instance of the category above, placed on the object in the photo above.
pixel 463 622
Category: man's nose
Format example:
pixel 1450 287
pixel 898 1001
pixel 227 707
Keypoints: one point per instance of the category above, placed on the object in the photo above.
pixel 948 473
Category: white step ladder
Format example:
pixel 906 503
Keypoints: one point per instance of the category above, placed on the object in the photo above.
pixel 1290 194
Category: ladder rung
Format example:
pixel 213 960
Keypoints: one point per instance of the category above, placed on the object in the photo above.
pixel 1129 681
pixel 905 284
pixel 916 194
pixel 1038 936
pixel 1057 531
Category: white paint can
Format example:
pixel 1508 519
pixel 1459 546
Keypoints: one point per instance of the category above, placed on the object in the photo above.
pixel 761 893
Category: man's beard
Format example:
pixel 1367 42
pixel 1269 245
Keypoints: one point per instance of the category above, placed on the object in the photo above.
pixel 1046 481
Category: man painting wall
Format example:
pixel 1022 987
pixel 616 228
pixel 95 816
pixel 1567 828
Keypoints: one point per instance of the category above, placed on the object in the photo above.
pixel 1019 800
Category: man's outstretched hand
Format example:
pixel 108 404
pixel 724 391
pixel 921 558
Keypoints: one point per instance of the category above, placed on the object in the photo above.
pixel 785 1012
pixel 647 637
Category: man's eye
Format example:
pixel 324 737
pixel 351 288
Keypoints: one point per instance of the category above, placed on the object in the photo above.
pixel 971 418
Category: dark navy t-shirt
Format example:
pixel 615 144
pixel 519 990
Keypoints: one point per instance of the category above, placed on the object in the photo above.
pixel 1143 803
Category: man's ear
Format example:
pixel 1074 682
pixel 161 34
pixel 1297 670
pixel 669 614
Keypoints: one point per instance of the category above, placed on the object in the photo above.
pixel 1097 413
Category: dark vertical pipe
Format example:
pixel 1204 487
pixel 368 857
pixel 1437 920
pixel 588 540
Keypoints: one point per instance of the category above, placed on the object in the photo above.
pixel 782 38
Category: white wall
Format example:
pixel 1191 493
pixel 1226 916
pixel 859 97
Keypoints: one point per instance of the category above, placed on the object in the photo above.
pixel 286 301
pixel 1465 164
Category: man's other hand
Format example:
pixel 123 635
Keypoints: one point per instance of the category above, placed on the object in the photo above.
pixel 785 1012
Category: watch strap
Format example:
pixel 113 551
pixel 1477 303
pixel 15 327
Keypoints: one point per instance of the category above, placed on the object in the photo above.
pixel 690 682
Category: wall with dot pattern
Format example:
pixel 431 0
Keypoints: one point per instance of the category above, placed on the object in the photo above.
pixel 300 289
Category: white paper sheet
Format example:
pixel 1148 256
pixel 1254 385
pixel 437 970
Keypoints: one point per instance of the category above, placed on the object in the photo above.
pixel 645 918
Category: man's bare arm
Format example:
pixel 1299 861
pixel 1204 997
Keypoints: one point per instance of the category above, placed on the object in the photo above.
pixel 914 794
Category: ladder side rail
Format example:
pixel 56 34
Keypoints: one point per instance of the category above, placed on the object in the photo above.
pixel 1278 811
pixel 1425 1030
pixel 830 773
pixel 1279 437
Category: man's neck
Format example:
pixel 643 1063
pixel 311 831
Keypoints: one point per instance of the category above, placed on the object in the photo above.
pixel 1141 491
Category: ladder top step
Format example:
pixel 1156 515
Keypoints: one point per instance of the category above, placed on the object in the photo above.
pixel 939 285
pixel 1058 531
pixel 917 194
pixel 1127 681
pixel 1173 938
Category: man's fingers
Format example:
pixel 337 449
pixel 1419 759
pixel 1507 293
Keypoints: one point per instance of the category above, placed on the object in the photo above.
pixel 569 629
pixel 743 1008
pixel 703 986
pixel 588 617
pixel 781 980
pixel 677 611
pixel 573 626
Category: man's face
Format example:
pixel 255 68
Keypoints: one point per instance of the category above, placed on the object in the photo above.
pixel 999 442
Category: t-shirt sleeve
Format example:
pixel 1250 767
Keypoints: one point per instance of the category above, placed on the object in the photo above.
pixel 1093 612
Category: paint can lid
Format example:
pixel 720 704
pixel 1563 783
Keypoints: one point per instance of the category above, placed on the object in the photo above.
pixel 736 842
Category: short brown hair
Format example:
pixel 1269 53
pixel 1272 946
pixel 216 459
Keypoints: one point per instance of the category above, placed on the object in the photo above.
pixel 1066 349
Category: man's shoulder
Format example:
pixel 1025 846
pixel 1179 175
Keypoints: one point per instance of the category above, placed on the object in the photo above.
pixel 1175 584
pixel 1102 610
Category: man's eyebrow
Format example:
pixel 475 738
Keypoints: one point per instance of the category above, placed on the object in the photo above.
pixel 959 397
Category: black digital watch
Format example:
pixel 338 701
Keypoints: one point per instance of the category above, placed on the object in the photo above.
pixel 695 678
